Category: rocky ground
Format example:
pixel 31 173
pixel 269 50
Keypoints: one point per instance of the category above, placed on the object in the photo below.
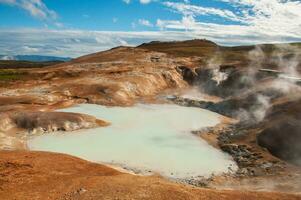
pixel 261 104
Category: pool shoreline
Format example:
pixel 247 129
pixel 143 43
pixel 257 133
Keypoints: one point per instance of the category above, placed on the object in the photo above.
pixel 132 165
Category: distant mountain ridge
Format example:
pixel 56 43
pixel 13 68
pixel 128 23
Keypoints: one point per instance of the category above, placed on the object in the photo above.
pixel 34 58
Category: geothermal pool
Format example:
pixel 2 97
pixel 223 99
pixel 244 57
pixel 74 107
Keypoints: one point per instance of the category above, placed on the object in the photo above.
pixel 145 139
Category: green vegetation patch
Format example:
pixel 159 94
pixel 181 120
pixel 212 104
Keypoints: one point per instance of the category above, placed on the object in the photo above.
pixel 10 75
pixel 15 64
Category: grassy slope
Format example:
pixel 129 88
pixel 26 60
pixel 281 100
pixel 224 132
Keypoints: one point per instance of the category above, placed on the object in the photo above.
pixel 13 64
pixel 10 75
pixel 11 70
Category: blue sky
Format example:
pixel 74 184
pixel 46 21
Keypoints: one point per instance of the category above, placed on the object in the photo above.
pixel 113 15
pixel 77 27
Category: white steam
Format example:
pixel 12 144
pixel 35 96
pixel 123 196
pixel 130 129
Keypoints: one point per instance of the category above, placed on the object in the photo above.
pixel 264 104
pixel 214 64
pixel 287 59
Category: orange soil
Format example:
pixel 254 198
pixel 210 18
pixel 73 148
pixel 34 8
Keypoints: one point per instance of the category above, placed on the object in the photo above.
pixel 37 175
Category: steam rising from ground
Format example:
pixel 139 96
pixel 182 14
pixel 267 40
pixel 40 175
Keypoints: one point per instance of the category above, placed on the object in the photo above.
pixel 257 112
pixel 284 79
pixel 214 64
pixel 261 102
pixel 286 58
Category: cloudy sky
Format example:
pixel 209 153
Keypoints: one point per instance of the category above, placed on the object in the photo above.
pixel 77 27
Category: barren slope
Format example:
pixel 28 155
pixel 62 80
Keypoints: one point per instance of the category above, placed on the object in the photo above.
pixel 34 175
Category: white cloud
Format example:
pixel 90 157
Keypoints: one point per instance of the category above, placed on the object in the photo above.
pixel 141 1
pixel 252 22
pixel 258 20
pixel 29 49
pixel 188 21
pixel 282 16
pixel 36 8
pixel 145 22
pixel 161 24
pixel 75 43
pixel 193 10
pixel 145 1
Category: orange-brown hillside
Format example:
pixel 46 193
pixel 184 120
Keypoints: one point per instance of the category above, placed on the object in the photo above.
pixel 36 175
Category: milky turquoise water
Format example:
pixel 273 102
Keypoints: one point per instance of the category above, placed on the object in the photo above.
pixel 147 138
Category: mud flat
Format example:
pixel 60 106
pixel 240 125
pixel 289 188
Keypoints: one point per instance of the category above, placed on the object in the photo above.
pixel 146 138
